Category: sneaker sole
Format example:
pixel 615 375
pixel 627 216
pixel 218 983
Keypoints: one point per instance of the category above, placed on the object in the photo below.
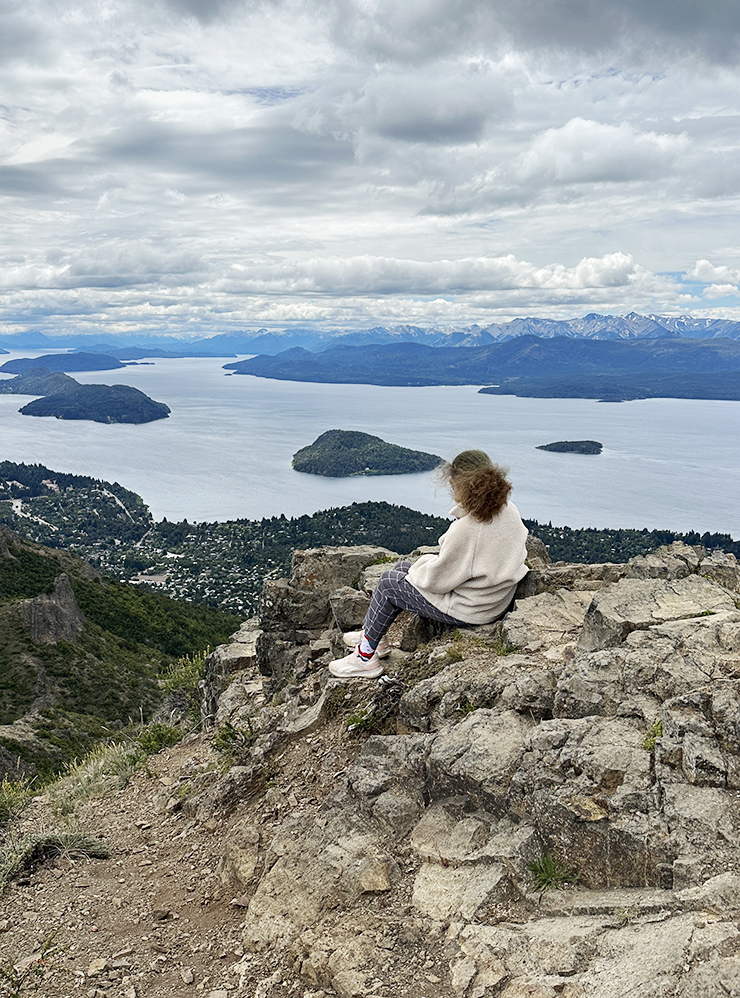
pixel 372 674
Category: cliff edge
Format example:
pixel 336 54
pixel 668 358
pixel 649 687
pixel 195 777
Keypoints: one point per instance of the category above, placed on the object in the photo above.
pixel 397 836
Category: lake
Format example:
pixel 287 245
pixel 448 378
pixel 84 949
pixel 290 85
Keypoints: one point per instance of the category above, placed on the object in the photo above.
pixel 225 452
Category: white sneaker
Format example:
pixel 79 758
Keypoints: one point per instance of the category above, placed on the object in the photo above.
pixel 353 638
pixel 353 666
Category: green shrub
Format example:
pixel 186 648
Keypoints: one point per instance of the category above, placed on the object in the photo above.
pixel 234 743
pixel 155 737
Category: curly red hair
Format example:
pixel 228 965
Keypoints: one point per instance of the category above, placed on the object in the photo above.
pixel 480 486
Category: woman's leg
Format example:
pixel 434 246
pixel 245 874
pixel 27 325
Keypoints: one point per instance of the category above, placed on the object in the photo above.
pixel 392 596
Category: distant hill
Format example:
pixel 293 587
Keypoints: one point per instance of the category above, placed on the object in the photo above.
pixel 573 447
pixel 341 453
pixel 526 357
pixel 66 398
pixel 38 381
pixel 63 362
pixel 65 510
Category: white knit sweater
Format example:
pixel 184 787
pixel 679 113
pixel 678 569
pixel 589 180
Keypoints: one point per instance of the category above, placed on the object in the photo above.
pixel 474 576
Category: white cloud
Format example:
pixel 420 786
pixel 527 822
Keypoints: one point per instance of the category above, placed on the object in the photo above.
pixel 591 152
pixel 703 270
pixel 714 291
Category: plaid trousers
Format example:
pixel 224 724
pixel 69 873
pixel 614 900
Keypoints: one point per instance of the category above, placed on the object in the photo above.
pixel 394 593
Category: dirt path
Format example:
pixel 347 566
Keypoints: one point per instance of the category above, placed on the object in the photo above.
pixel 154 920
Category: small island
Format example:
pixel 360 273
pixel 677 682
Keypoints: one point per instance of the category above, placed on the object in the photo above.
pixel 65 398
pixel 573 447
pixel 342 453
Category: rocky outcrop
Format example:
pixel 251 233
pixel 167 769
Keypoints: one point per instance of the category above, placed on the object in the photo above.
pixel 53 617
pixel 589 742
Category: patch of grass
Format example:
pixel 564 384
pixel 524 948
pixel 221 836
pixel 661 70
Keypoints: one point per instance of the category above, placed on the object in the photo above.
pixel 14 796
pixel 467 707
pixel 23 853
pixel 234 743
pixel 654 732
pixel 550 873
pixel 361 722
pixel 155 737
pixel 103 771
pixel 183 676
pixel 334 702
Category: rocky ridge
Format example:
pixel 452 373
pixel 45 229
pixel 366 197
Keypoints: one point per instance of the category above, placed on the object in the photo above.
pixel 377 838
pixel 596 723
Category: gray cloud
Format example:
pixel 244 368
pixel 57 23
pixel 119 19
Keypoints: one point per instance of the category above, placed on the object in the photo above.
pixel 199 166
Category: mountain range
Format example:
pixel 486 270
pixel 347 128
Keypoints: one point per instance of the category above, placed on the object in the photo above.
pixel 267 341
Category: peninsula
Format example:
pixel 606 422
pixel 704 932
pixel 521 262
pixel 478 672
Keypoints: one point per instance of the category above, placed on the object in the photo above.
pixel 610 370
pixel 341 453
pixel 63 362
pixel 573 447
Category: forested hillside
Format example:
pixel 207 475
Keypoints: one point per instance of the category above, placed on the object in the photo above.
pixel 224 564
pixel 81 655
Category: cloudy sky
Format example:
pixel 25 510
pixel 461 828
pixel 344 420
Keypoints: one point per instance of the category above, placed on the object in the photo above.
pixel 205 166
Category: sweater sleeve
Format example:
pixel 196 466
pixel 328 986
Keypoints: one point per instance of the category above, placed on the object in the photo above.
pixel 440 573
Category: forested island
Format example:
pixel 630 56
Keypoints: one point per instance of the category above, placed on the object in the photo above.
pixel 573 447
pixel 342 453
pixel 224 564
pixel 65 398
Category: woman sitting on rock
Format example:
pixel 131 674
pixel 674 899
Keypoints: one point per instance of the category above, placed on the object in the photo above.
pixel 471 581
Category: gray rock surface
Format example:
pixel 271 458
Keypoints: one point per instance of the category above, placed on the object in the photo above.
pixel 54 617
pixel 608 741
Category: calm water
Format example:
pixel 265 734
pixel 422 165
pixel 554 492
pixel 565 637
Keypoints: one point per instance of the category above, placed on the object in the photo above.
pixel 225 451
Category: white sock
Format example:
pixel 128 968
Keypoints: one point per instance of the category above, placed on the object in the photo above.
pixel 365 649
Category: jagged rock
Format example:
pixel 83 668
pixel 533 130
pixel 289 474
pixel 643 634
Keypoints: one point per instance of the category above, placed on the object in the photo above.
pixel 547 623
pixel 506 757
pixel 644 964
pixel 54 617
pixel 241 854
pixel 537 555
pixel 348 608
pixel 309 866
pixel 720 894
pixel 485 679
pixel 577 576
pixel 722 568
pixel 238 656
pixel 299 607
pixel 674 561
pixel 652 666
pixel 636 605
pixel 587 787
pixel 390 773
pixel 316 573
